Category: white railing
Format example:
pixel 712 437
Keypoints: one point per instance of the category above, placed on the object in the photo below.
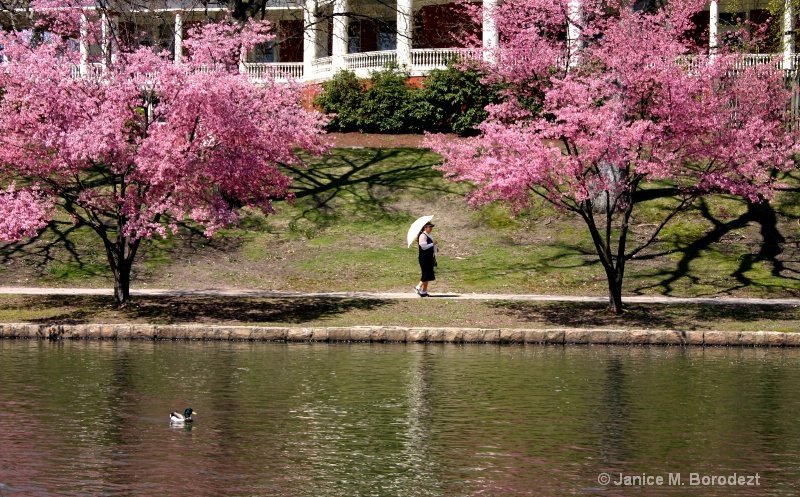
pixel 794 67
pixel 284 4
pixel 279 71
pixel 745 61
pixel 93 70
pixel 752 60
pixel 370 60
pixel 423 61
pixel 436 58
pixel 322 67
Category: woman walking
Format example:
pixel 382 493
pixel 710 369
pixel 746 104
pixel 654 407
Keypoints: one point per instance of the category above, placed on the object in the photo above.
pixel 427 259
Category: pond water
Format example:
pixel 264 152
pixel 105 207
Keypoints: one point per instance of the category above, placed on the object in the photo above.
pixel 90 418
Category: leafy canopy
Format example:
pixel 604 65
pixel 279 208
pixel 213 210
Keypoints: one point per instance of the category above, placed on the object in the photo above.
pixel 138 144
pixel 622 105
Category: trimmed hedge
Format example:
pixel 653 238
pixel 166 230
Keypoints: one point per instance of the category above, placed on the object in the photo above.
pixel 451 101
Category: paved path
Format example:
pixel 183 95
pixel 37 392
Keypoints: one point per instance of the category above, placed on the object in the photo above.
pixel 212 292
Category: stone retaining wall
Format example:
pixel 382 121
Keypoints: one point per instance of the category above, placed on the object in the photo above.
pixel 397 334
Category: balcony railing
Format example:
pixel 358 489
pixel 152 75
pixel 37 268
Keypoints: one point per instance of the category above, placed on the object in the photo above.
pixel 322 67
pixel 435 58
pixel 279 71
pixel 370 60
pixel 751 60
pixel 422 62
pixel 92 70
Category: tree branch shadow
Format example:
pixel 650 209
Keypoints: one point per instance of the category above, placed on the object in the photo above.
pixel 772 249
pixel 58 242
pixel 644 316
pixel 367 177
pixel 196 310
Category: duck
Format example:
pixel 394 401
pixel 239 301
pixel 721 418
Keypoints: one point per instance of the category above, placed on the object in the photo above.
pixel 186 417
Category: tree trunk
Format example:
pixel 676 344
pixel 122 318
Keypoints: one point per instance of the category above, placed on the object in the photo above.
pixel 122 283
pixel 603 200
pixel 615 276
pixel 120 256
pixel 613 265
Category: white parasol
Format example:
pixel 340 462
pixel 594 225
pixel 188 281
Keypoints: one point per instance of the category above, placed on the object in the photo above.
pixel 416 228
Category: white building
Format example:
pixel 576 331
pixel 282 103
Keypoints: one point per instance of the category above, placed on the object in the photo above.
pixel 317 38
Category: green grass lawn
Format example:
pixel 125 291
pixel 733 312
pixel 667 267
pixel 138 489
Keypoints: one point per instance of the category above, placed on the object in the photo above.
pixel 333 312
pixel 345 231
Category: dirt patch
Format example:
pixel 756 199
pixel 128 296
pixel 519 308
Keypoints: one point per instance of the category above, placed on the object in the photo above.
pixel 377 140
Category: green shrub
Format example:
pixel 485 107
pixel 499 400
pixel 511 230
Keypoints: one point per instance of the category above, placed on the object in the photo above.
pixel 388 104
pixel 458 99
pixel 341 96
pixel 451 101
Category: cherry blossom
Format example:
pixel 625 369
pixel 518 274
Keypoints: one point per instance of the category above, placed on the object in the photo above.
pixel 142 144
pixel 587 123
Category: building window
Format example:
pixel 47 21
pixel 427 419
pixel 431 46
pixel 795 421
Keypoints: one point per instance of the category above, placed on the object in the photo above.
pixel 264 52
pixel 387 35
pixel 354 36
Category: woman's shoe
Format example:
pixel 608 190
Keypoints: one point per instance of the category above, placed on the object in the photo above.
pixel 419 292
pixel 424 294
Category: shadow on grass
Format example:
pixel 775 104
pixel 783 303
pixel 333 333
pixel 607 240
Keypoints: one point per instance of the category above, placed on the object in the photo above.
pixel 343 169
pixel 63 251
pixel 367 178
pixel 773 249
pixel 195 310
pixel 364 180
pixel 57 242
pixel 656 316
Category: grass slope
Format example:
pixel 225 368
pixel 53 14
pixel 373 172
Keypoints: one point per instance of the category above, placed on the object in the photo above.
pixel 345 231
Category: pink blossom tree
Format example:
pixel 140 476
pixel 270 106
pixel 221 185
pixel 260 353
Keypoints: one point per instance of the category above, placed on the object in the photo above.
pixel 141 144
pixel 590 122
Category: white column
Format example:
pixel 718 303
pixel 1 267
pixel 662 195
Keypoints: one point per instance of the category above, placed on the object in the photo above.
pixel 178 37
pixel 490 36
pixel 104 48
pixel 713 27
pixel 310 38
pixel 106 38
pixel 83 45
pixel 113 27
pixel 405 31
pixel 575 21
pixel 339 34
pixel 788 35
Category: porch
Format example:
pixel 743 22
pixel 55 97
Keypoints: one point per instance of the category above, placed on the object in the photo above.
pixel 423 60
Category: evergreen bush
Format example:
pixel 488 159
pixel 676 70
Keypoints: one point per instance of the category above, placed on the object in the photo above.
pixel 457 98
pixel 341 96
pixel 388 103
pixel 451 101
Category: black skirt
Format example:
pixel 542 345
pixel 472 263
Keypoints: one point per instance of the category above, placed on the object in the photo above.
pixel 427 269
pixel 427 261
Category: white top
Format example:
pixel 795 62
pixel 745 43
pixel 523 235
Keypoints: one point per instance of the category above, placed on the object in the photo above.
pixel 422 242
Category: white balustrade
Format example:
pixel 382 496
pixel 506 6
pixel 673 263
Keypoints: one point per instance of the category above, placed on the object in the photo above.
pixel 280 71
pixel 424 60
pixel 370 60
pixel 436 58
pixel 94 70
pixel 752 60
pixel 322 68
